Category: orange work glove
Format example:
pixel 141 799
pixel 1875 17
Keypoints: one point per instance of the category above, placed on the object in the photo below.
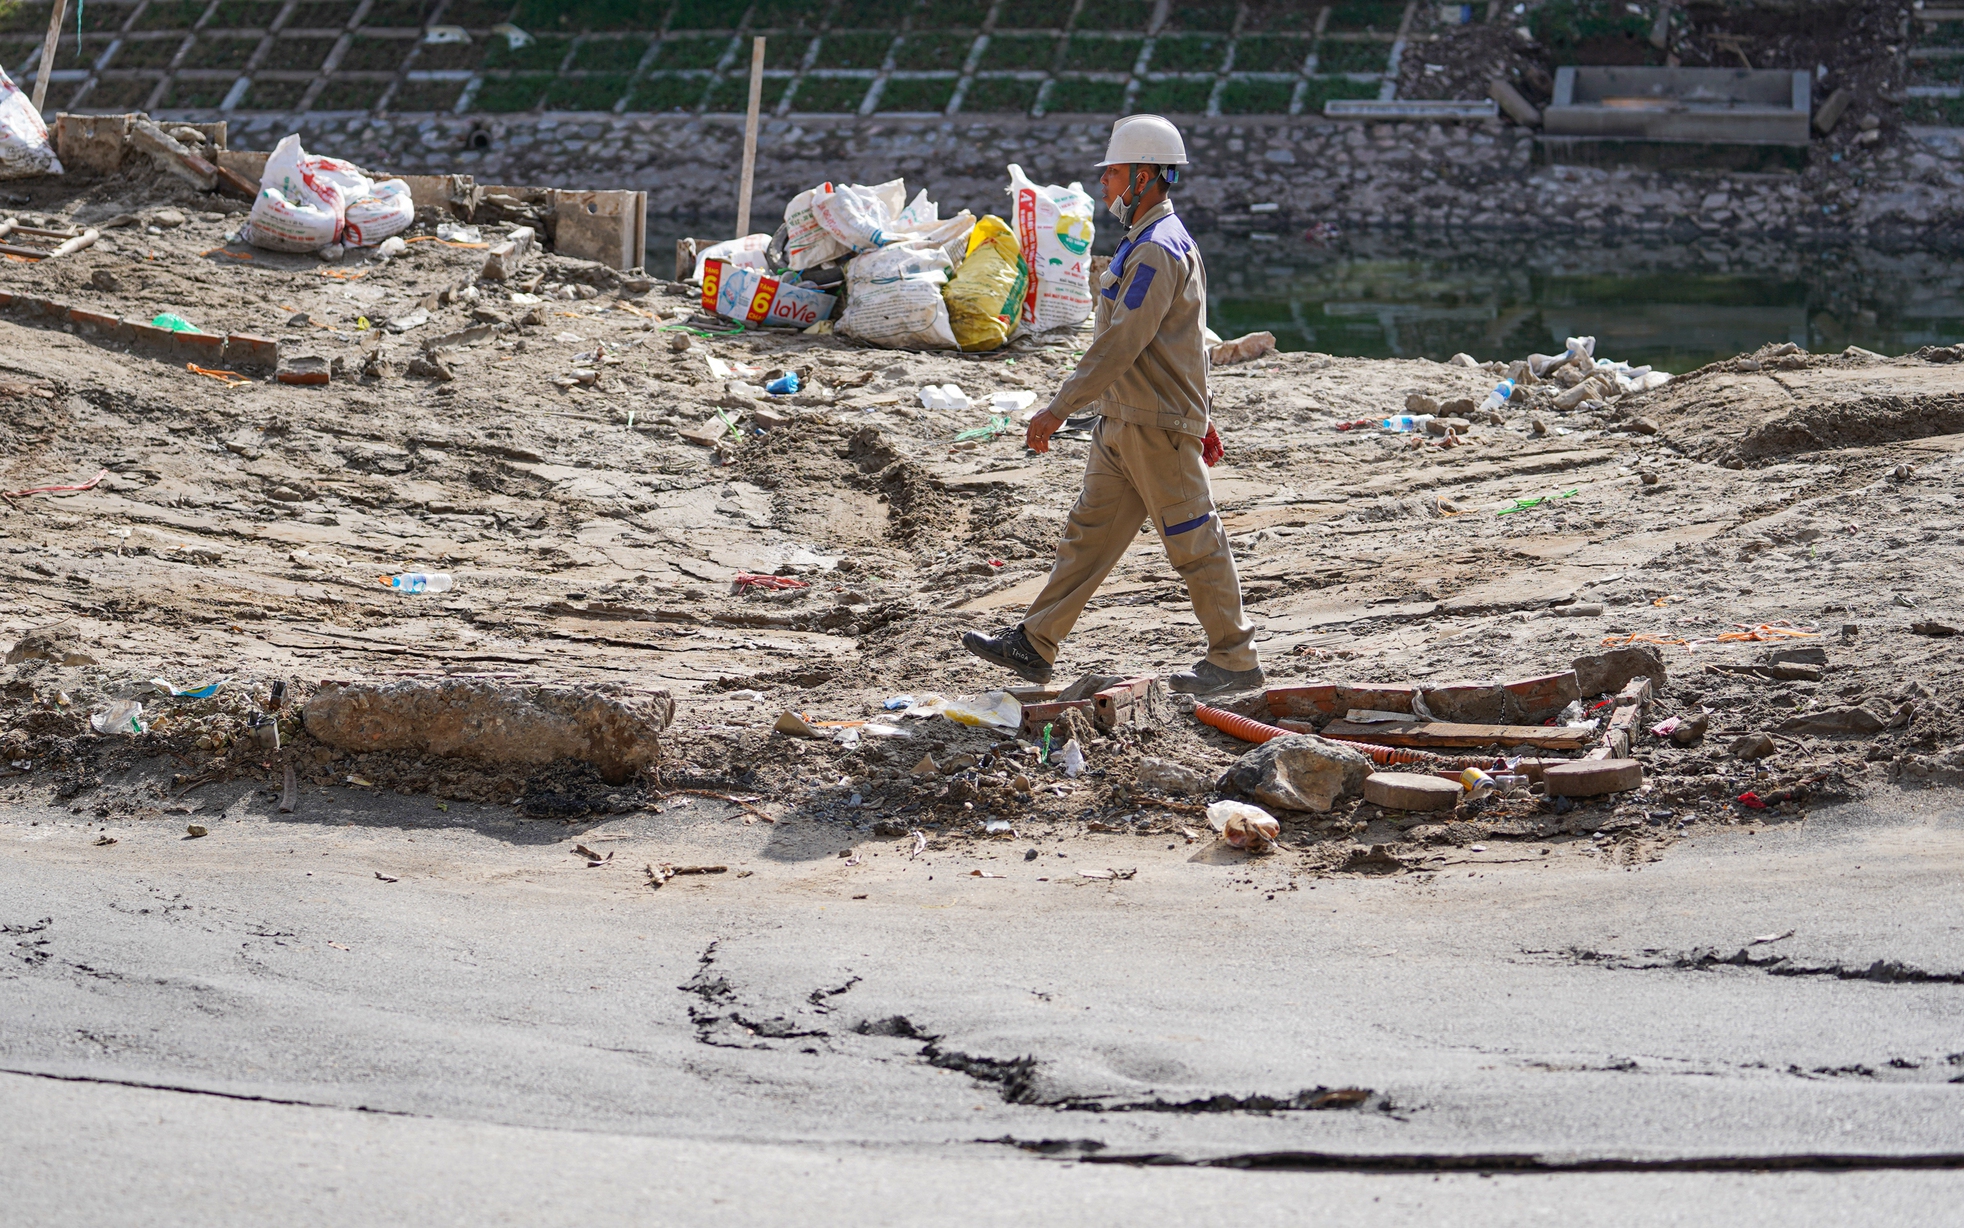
pixel 1211 450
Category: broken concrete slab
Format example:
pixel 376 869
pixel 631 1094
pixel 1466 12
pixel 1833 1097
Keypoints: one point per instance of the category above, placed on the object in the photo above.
pixel 1410 791
pixel 1299 772
pixel 1854 719
pixel 611 727
pixel 1592 777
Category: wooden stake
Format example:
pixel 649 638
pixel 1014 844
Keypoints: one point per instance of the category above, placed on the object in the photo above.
pixel 749 134
pixel 48 53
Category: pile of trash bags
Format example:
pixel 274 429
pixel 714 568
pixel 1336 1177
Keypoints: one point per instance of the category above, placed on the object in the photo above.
pixel 891 271
pixel 307 202
pixel 24 147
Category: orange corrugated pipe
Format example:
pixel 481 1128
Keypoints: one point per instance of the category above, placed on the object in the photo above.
pixel 1249 730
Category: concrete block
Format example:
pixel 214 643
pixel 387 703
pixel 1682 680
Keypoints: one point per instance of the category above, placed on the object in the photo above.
pixel 247 352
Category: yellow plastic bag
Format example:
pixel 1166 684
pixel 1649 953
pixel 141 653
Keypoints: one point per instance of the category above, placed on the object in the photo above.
pixel 987 291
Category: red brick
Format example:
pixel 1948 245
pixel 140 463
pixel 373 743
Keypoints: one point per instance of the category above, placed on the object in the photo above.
pixel 1541 698
pixel 148 335
pixel 205 349
pixel 98 321
pixel 245 351
pixel 1036 716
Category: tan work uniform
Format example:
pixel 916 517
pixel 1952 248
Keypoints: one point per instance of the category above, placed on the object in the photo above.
pixel 1147 372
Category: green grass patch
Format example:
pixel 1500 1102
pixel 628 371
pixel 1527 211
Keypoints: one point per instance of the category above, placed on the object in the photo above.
pixel 853 50
pixel 112 93
pixel 367 54
pixel 268 95
pixel 1332 56
pixel 1323 89
pixel 1174 97
pixel 343 94
pixel 99 18
pixel 665 92
pixel 416 96
pixel 928 52
pixel 733 93
pixel 1013 52
pixel 916 94
pixel 952 14
pixel 147 53
pixel 297 54
pixel 596 93
pixel 1939 112
pixel 1563 25
pixel 691 52
pixel 1378 15
pixel 441 56
pixel 1189 53
pixel 161 15
pixel 591 15
pixel 1114 15
pixel 244 15
pixel 1076 95
pixel 26 18
pixel 1015 15
pixel 221 52
pixel 319 16
pixel 397 14
pixel 1257 97
pixel 610 54
pixel 1218 17
pixel 1937 72
pixel 1279 53
pixel 474 14
pixel 831 94
pixel 868 14
pixel 195 95
pixel 504 95
pixel 539 55
pixel 1000 96
pixel 1088 54
pixel 708 14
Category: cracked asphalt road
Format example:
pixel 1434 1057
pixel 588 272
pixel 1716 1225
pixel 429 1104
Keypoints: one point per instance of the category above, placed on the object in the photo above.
pixel 256 1021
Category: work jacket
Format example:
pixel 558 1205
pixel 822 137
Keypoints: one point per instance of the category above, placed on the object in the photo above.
pixel 1148 362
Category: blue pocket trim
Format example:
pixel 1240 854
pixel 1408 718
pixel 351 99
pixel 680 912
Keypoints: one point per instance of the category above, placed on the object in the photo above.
pixel 1174 530
pixel 1135 293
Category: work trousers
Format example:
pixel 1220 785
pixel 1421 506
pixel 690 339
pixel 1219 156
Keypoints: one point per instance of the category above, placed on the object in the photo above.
pixel 1135 472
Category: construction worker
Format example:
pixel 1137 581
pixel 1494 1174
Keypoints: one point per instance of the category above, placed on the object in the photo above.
pixel 1146 373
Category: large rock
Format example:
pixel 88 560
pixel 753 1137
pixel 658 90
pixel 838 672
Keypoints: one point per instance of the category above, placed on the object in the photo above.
pixel 57 642
pixel 1606 673
pixel 1855 720
pixel 1299 772
pixel 1169 778
pixel 496 722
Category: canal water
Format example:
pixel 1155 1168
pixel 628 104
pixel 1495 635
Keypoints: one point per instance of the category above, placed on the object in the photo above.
pixel 1673 306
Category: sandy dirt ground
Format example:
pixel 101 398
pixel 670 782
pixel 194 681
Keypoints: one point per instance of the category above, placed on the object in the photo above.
pixel 242 526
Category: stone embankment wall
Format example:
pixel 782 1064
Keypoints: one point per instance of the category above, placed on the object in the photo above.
pixel 1481 177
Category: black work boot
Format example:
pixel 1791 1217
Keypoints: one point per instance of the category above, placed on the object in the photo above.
pixel 1009 648
pixel 1207 678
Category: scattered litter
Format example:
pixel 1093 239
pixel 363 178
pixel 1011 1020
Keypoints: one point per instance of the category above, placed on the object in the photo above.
pixel 747 579
pixel 54 490
pixel 944 396
pixel 1522 505
pixel 387 878
pixel 206 691
pixel 783 386
pixel 1072 759
pixel 125 717
pixel 1750 800
pixel 1109 875
pixel 796 726
pixel 416 319
pixel 997 709
pixel 895 703
pixel 997 426
pixel 515 38
pixel 1764 939
pixel 1244 826
pixel 174 323
pixel 25 150
pixel 416 582
pixel 438 36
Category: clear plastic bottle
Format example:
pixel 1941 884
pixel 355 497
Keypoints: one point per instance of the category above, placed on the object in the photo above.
pixel 417 582
pixel 1406 422
pixel 1498 397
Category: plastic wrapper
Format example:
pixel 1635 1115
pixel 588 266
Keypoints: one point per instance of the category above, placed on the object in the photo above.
pixel 859 217
pixel 25 149
pixel 1244 826
pixel 893 298
pixel 994 709
pixel 747 252
pixel 753 297
pixel 384 212
pixel 1054 232
pixel 985 295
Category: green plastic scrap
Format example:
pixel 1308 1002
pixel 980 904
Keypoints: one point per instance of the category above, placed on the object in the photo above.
pixel 1045 756
pixel 175 323
pixel 1522 505
pixel 998 424
pixel 729 423
pixel 700 332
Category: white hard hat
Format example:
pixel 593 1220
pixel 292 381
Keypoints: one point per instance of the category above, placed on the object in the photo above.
pixel 1149 139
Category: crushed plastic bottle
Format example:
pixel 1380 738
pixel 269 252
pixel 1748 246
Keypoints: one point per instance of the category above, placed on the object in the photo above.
pixel 124 716
pixel 417 582
pixel 1498 397
pixel 1405 423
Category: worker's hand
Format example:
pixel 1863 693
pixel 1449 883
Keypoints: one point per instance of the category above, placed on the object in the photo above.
pixel 1042 427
